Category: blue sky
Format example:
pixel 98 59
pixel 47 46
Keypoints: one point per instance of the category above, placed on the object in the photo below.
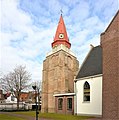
pixel 28 28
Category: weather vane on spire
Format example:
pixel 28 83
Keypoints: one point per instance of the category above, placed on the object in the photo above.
pixel 61 11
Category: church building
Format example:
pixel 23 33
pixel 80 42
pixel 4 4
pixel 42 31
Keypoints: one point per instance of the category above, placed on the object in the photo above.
pixel 88 84
pixel 59 69
pixel 92 89
pixel 97 82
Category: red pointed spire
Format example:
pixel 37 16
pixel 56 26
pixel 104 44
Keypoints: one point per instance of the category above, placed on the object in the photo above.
pixel 61 35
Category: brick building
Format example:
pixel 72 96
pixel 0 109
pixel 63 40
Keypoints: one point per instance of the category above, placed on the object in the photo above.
pixel 88 84
pixel 24 96
pixel 110 49
pixel 61 65
pixel 59 69
pixel 29 97
pixel 100 74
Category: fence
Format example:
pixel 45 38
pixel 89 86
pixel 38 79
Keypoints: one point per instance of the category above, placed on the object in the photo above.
pixel 13 106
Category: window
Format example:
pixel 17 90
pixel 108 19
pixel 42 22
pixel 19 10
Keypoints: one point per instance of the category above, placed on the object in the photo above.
pixel 86 91
pixel 69 103
pixel 60 103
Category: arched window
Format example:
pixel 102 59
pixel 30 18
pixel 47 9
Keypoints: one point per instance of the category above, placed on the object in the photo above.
pixel 60 103
pixel 86 91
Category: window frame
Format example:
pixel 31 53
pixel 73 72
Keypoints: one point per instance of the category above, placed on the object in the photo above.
pixel 60 103
pixel 86 92
pixel 69 103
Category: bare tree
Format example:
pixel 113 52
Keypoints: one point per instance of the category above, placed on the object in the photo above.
pixel 39 85
pixel 16 81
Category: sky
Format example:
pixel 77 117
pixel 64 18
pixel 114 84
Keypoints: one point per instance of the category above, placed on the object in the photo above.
pixel 27 28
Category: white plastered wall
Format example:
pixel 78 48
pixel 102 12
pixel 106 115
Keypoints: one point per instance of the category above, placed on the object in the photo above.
pixel 94 107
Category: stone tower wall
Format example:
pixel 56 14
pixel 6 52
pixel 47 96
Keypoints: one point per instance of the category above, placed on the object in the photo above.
pixel 59 70
pixel 110 46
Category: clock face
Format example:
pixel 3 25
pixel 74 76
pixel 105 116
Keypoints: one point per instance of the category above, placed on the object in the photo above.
pixel 61 35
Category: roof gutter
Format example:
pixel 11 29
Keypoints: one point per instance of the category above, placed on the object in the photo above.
pixel 99 75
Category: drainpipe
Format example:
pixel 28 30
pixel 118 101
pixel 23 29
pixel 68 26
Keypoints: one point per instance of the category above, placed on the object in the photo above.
pixel 75 97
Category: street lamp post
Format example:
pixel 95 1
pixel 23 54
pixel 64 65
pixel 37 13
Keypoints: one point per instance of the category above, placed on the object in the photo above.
pixel 34 87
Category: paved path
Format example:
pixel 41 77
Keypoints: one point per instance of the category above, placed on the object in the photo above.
pixel 23 116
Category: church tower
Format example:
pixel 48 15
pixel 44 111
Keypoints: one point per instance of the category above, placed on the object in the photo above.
pixel 59 69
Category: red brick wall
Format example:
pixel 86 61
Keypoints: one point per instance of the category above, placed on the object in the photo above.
pixel 64 109
pixel 110 46
pixel 59 70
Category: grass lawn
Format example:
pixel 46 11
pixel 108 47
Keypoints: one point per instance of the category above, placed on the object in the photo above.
pixel 54 116
pixel 9 117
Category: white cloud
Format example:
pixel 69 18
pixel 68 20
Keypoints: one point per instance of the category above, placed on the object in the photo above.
pixel 13 19
pixel 28 29
pixel 80 11
pixel 19 42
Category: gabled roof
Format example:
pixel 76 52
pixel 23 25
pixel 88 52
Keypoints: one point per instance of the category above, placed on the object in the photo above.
pixel 7 95
pixel 92 64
